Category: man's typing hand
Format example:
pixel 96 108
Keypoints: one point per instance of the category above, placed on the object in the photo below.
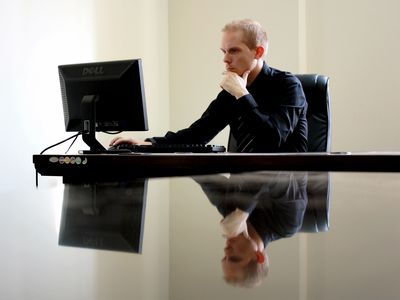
pixel 121 140
pixel 235 84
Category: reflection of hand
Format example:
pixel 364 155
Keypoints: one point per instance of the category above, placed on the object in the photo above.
pixel 120 140
pixel 235 224
pixel 235 84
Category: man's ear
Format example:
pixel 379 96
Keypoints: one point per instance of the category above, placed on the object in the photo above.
pixel 260 257
pixel 260 50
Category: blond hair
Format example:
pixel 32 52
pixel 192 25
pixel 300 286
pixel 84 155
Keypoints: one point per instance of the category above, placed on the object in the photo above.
pixel 252 274
pixel 253 34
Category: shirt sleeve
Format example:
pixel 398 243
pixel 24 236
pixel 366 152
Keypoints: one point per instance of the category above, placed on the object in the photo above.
pixel 212 121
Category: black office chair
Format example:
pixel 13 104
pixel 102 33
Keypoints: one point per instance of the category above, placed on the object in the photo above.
pixel 316 90
pixel 316 215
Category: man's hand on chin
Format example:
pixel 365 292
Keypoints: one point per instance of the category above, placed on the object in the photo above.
pixel 235 84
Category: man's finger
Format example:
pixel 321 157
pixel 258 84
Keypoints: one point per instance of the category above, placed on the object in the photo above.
pixel 114 140
pixel 245 75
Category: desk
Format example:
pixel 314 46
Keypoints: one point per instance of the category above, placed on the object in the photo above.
pixel 156 165
pixel 345 247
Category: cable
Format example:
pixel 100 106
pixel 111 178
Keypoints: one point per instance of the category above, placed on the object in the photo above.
pixel 63 141
pixel 74 136
pixel 73 142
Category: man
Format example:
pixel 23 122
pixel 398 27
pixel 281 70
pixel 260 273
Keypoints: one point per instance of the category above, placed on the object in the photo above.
pixel 264 107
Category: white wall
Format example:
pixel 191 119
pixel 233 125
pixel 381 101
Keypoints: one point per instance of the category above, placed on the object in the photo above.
pixel 356 44
pixel 37 36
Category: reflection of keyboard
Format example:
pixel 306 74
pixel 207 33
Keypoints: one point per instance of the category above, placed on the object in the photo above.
pixel 169 148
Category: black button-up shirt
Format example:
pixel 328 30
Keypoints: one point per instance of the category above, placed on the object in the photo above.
pixel 271 118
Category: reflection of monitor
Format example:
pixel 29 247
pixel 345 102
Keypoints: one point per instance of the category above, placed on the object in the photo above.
pixel 108 216
pixel 103 96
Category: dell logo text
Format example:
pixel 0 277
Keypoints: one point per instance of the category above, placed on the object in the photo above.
pixel 92 71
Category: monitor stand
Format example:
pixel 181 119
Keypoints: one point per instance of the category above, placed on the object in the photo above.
pixel 88 110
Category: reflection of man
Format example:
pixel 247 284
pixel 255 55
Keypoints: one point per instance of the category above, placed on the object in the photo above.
pixel 258 208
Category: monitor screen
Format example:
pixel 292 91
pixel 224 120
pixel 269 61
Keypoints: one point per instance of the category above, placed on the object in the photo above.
pixel 103 96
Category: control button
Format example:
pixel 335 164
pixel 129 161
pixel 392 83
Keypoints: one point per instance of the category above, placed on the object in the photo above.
pixel 53 159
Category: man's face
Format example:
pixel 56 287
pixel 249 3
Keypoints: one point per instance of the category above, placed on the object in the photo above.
pixel 239 252
pixel 238 57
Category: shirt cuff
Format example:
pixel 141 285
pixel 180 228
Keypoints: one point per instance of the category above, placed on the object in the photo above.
pixel 247 102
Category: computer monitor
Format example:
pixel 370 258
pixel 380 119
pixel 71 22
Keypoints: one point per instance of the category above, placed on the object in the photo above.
pixel 104 215
pixel 103 96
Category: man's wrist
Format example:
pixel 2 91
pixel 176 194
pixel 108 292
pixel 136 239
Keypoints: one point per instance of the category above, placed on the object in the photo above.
pixel 241 94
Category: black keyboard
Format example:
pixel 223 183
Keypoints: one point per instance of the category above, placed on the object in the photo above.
pixel 168 148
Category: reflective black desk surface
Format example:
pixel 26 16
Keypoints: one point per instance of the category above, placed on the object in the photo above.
pixel 327 235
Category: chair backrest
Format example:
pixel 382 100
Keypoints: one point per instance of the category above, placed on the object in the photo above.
pixel 316 215
pixel 316 90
